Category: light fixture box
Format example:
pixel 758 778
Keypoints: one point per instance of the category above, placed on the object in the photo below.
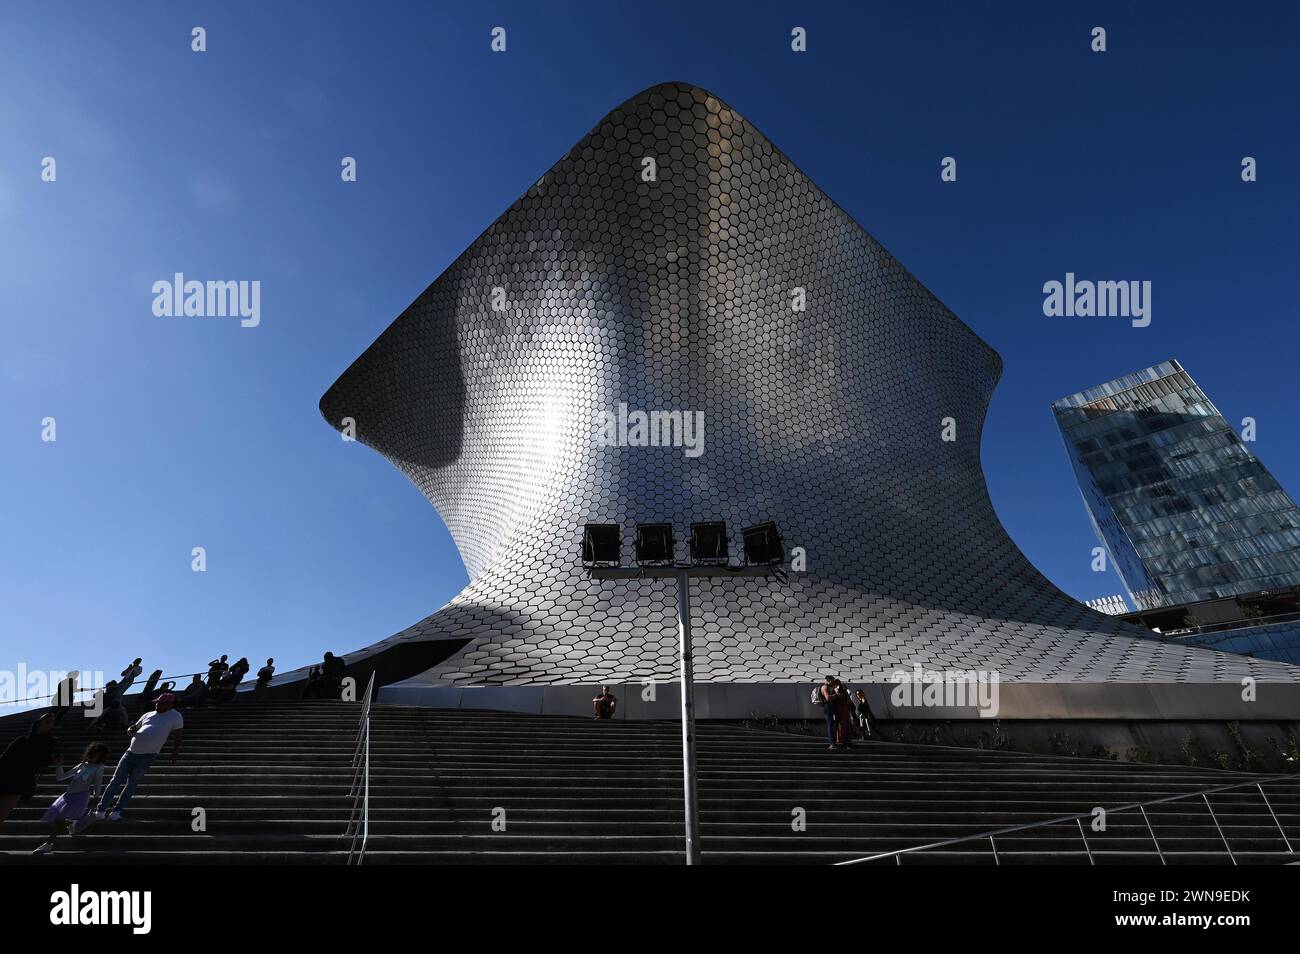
pixel 763 545
pixel 654 543
pixel 709 542
pixel 602 544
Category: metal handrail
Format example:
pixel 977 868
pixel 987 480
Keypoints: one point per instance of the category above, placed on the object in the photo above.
pixel 359 818
pixel 1135 806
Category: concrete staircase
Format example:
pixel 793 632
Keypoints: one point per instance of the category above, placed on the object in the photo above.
pixel 273 778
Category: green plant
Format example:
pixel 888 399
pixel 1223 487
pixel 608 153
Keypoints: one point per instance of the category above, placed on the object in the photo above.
pixel 1288 750
pixel 1140 753
pixel 1001 741
pixel 1251 761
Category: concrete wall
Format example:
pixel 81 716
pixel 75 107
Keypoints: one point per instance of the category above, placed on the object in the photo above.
pixel 1172 702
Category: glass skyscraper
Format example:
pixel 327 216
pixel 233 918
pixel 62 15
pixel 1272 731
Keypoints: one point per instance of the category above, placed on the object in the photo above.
pixel 1186 512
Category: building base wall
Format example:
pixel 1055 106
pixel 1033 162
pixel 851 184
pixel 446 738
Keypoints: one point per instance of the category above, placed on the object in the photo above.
pixel 1173 702
pixel 1173 724
pixel 1268 747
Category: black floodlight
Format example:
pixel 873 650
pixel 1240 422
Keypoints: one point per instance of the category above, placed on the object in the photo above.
pixel 763 546
pixel 602 544
pixel 709 542
pixel 654 543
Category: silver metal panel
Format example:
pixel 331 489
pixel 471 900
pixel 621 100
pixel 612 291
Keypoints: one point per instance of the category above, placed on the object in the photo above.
pixel 676 294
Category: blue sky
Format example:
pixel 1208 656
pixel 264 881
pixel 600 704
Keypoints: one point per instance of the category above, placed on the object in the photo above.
pixel 181 433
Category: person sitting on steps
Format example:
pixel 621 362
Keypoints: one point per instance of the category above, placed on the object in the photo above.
pixel 129 675
pixel 605 704
pixel 195 694
pixel 112 714
pixel 264 676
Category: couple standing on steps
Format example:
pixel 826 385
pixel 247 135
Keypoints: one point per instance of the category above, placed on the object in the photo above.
pixel 843 713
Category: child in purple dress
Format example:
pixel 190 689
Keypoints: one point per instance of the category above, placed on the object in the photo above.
pixel 83 784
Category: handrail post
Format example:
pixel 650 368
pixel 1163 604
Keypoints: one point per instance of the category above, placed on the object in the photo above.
pixel 690 798
pixel 1282 831
pixel 993 845
pixel 1079 822
pixel 1215 817
pixel 1156 841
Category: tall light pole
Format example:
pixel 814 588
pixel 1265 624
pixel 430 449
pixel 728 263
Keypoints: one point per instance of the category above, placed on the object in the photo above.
pixel 690 795
pixel 602 558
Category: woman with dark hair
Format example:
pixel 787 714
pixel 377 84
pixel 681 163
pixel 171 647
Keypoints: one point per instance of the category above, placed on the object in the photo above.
pixel 862 713
pixel 24 759
pixel 843 707
pixel 230 681
pixel 84 783
pixel 216 669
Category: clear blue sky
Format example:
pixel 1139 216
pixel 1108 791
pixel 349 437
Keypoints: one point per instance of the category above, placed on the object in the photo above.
pixel 181 433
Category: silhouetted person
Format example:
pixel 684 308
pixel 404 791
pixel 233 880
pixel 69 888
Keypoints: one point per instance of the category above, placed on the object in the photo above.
pixel 843 708
pixel 230 681
pixel 264 678
pixel 605 704
pixel 111 714
pixel 826 699
pixel 23 759
pixel 311 688
pixel 129 675
pixel 862 714
pixel 331 672
pixel 216 669
pixel 195 694
pixel 65 696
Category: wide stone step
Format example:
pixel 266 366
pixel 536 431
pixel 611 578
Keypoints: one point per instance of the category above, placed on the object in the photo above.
pixel 274 780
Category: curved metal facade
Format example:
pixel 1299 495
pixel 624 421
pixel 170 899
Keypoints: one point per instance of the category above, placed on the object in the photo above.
pixel 678 295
